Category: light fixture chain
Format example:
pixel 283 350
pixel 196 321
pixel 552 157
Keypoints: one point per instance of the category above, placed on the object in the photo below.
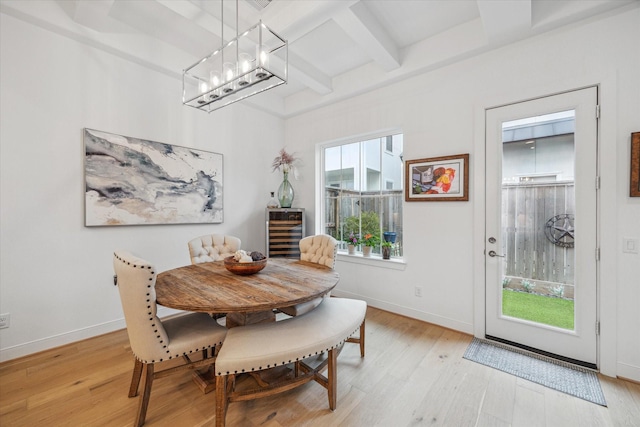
pixel 238 41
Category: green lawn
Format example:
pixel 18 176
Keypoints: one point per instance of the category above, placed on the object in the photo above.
pixel 548 310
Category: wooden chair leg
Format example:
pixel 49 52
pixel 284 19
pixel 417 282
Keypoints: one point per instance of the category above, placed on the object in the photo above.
pixel 146 392
pixel 362 339
pixel 359 340
pixel 221 400
pixel 332 386
pixel 135 378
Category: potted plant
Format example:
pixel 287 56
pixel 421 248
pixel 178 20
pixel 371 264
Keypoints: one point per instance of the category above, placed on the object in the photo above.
pixel 386 249
pixel 369 240
pixel 352 241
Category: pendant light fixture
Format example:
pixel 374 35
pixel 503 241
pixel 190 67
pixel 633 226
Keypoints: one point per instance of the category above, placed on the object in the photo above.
pixel 254 61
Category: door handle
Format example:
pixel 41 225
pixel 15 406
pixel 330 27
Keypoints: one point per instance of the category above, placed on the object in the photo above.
pixel 494 254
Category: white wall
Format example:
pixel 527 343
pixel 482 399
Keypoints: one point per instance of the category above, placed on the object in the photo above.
pixel 441 113
pixel 56 275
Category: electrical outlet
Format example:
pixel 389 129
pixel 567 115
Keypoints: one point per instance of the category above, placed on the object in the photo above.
pixel 418 291
pixel 630 245
pixel 5 320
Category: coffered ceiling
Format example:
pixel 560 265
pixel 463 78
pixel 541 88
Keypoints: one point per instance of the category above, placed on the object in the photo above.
pixel 337 48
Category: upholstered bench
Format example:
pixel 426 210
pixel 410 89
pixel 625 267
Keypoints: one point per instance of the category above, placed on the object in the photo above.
pixel 262 346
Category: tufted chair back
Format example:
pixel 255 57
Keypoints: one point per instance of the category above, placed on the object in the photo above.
pixel 320 249
pixel 136 283
pixel 212 247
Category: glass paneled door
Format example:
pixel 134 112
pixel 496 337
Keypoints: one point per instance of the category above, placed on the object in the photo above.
pixel 541 244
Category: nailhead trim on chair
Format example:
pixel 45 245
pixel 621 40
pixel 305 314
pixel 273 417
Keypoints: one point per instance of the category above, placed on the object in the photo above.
pixel 153 325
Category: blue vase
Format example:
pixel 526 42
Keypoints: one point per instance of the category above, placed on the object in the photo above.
pixel 389 236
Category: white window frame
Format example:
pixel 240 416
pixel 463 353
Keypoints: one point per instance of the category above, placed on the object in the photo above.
pixel 397 263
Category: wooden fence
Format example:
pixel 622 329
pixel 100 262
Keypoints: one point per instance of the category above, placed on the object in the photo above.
pixel 341 204
pixel 526 208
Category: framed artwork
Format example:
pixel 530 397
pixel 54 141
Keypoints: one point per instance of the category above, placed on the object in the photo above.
pixel 438 179
pixel 634 184
pixel 131 181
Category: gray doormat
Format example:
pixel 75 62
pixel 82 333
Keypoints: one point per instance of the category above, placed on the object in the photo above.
pixel 555 374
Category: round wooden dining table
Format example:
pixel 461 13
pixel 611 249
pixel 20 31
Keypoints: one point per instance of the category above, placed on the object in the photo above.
pixel 209 287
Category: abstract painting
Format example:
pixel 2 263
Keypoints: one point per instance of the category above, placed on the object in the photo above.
pixel 131 181
pixel 439 179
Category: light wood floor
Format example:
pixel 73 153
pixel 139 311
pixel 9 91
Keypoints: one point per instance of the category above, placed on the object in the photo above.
pixel 413 374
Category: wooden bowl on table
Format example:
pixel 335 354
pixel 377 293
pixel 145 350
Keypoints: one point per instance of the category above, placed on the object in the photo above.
pixel 244 268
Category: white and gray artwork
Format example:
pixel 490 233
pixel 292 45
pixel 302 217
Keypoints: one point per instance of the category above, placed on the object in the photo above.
pixel 130 181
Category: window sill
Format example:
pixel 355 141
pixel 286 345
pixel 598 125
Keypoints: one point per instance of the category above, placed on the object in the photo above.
pixel 376 261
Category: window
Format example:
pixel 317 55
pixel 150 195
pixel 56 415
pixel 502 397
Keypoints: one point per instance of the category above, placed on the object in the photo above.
pixel 362 187
pixel 388 144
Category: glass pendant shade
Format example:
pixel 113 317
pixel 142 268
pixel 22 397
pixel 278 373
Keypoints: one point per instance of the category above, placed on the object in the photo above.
pixel 244 66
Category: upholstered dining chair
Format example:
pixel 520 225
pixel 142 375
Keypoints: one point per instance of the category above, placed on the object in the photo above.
pixel 212 247
pixel 152 340
pixel 320 249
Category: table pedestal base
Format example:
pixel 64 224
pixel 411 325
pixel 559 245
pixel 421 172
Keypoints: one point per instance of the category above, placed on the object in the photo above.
pixel 206 381
pixel 241 319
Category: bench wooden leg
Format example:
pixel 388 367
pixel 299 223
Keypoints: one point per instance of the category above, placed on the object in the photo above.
pixel 332 386
pixel 221 400
pixel 135 378
pixel 146 392
pixel 359 340
pixel 362 339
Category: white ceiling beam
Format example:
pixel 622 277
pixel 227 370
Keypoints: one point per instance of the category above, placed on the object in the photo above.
pixel 505 20
pixel 267 101
pixel 360 24
pixel 137 48
pixel 208 15
pixel 458 43
pixel 303 72
pixel 194 13
pixel 552 14
pixel 156 20
pixel 95 15
pixel 183 7
pixel 292 19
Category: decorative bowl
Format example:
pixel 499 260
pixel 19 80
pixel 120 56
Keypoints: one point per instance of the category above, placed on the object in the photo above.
pixel 244 268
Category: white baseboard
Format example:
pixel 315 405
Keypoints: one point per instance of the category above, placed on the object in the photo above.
pixel 628 372
pixel 48 343
pixel 410 312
